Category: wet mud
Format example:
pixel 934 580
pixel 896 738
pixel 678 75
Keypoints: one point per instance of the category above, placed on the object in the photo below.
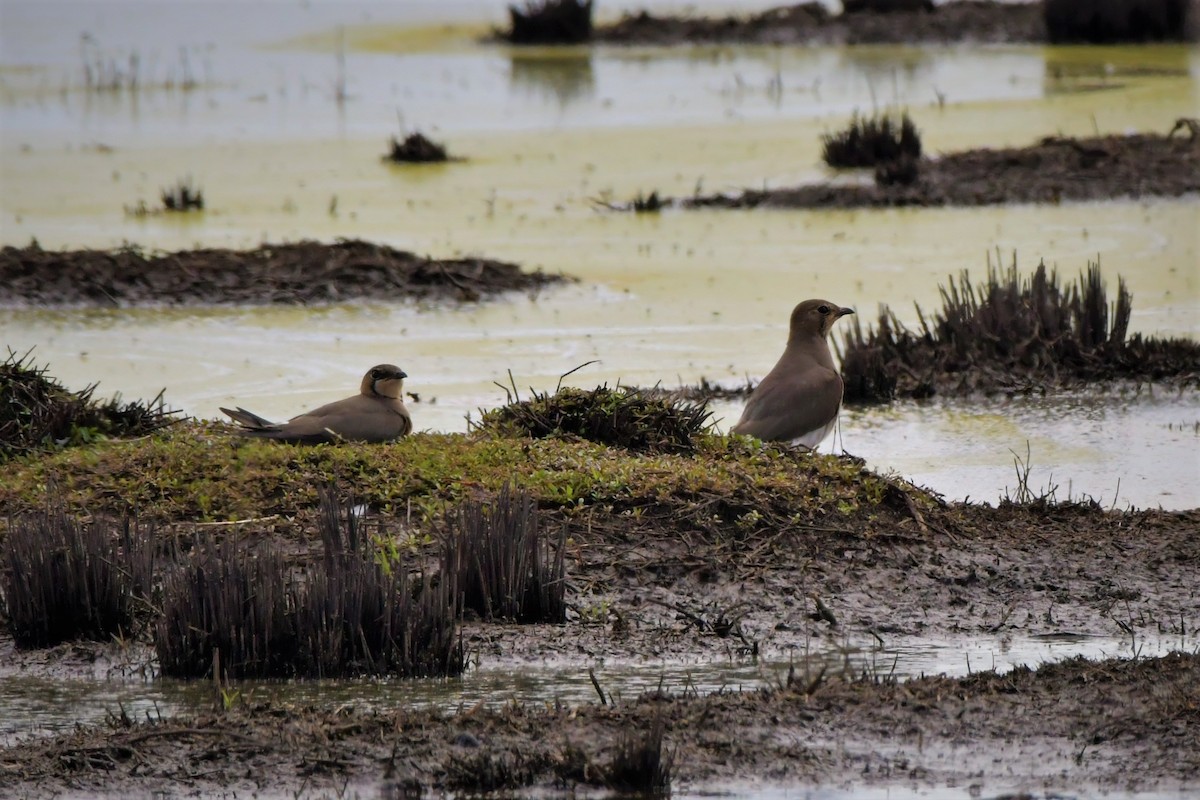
pixel 1071 725
pixel 300 273
pixel 1054 170
pixel 651 588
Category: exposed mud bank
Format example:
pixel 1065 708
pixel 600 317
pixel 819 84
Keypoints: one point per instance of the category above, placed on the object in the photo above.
pixel 920 22
pixel 299 273
pixel 811 23
pixel 1054 170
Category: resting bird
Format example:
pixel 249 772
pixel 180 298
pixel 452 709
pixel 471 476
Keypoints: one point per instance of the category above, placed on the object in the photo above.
pixel 375 414
pixel 799 399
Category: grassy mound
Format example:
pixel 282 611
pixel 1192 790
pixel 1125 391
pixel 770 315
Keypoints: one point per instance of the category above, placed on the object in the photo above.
pixel 1011 334
pixel 728 487
pixel 38 413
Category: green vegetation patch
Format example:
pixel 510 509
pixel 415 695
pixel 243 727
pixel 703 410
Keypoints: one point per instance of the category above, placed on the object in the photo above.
pixel 38 414
pixel 202 472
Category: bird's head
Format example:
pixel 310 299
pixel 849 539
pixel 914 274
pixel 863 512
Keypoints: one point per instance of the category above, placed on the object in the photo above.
pixel 815 318
pixel 385 380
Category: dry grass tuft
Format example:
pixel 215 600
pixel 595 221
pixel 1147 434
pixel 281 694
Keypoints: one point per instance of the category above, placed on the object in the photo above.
pixel 503 564
pixel 245 613
pixel 1011 334
pixel 871 141
pixel 40 414
pixel 66 580
pixel 641 765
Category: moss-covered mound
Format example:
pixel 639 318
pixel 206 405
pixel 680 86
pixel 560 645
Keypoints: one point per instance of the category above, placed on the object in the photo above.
pixel 38 413
pixel 1012 334
pixel 200 472
pixel 636 419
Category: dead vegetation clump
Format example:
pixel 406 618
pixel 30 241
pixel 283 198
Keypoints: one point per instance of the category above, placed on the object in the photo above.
pixel 871 141
pixel 40 414
pixel 236 612
pixel 503 562
pixel 638 420
pixel 304 272
pixel 641 765
pixel 549 22
pixel 1011 334
pixel 65 580
pixel 416 148
pixel 886 6
pixel 1116 21
pixel 183 197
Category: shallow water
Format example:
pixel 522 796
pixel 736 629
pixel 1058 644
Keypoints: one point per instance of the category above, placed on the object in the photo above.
pixel 39 704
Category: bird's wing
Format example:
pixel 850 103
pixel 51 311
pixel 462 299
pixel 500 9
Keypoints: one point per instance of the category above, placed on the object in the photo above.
pixel 249 420
pixel 358 418
pixel 790 407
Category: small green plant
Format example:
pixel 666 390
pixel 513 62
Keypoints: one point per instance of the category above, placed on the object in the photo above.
pixel 230 698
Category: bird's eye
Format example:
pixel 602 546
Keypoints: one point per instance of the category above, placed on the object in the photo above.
pixel 824 309
pixel 376 374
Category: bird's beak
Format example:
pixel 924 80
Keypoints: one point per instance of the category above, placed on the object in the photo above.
pixel 402 374
pixel 844 311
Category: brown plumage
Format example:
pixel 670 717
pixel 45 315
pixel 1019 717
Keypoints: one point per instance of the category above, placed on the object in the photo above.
pixel 375 414
pixel 799 399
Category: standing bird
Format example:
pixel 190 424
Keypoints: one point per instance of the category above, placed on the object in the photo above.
pixel 375 414
pixel 799 399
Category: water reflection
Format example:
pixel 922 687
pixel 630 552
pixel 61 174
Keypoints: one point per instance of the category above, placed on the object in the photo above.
pixel 563 76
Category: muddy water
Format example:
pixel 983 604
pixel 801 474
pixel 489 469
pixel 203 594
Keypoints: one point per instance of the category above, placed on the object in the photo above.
pixel 42 704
